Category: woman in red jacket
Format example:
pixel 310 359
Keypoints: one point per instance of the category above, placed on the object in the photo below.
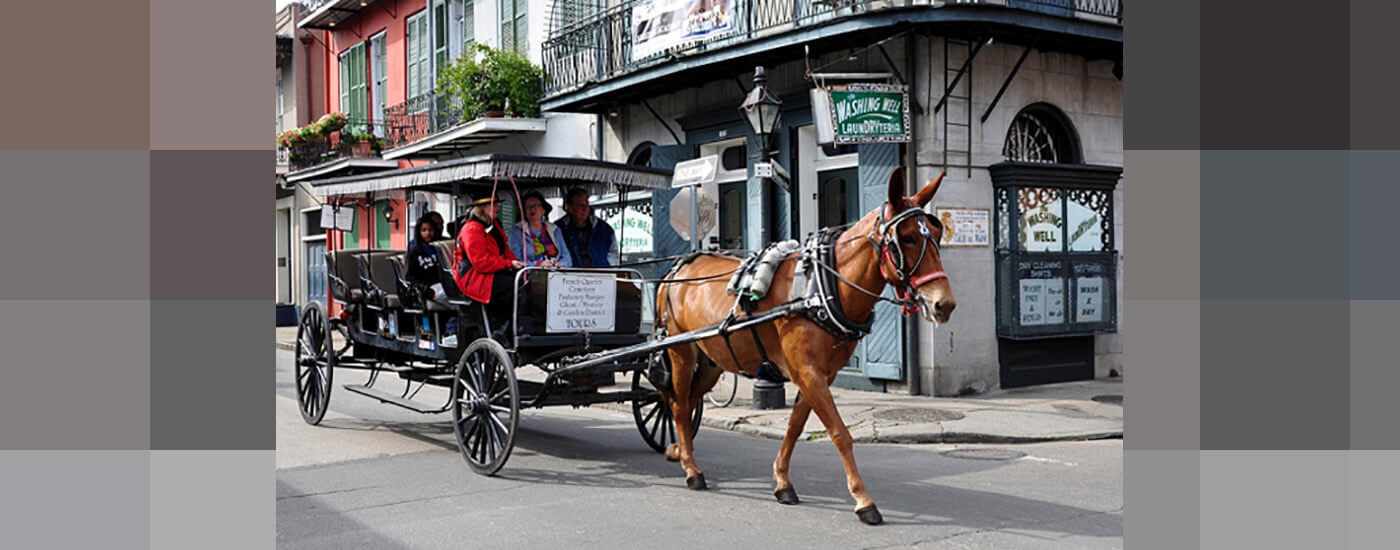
pixel 485 266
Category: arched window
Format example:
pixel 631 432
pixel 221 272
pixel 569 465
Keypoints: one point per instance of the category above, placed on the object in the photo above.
pixel 641 154
pixel 1042 133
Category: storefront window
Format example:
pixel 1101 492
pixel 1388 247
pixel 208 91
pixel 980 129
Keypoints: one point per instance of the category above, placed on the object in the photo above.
pixel 1087 219
pixel 1040 211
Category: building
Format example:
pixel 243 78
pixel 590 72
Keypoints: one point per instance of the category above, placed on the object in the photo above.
pixel 1020 101
pixel 299 236
pixel 378 63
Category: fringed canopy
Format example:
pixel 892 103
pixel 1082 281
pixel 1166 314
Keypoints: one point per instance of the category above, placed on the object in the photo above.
pixel 472 173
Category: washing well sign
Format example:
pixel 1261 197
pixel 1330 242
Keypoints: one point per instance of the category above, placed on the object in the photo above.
pixel 862 113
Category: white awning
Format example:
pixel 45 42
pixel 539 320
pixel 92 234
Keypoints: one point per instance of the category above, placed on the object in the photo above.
pixel 528 171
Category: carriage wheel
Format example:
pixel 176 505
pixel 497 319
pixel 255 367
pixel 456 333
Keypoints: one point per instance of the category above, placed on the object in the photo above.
pixel 486 406
pixel 315 362
pixel 653 415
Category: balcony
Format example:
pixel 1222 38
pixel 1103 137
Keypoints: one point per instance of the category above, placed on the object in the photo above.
pixel 599 48
pixel 337 154
pixel 431 127
pixel 324 14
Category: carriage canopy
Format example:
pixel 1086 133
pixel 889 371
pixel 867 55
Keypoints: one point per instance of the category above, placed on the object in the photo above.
pixel 546 173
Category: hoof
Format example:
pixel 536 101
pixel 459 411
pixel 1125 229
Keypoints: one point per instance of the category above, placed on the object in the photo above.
pixel 696 482
pixel 673 452
pixel 870 515
pixel 786 496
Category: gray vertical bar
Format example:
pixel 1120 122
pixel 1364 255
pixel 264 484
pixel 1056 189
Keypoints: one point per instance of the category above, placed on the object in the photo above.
pixel 1373 189
pixel 1374 83
pixel 75 499
pixel 1162 497
pixel 1375 375
pixel 1374 482
pixel 1274 499
pixel 1161 66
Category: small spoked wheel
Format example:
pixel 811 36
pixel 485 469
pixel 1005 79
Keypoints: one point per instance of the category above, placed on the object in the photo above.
pixel 653 412
pixel 724 390
pixel 315 362
pixel 485 406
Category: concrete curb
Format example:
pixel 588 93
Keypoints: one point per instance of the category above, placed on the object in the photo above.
pixel 892 434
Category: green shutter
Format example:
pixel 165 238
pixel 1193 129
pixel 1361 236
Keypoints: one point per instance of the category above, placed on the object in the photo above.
pixel 383 236
pixel 352 237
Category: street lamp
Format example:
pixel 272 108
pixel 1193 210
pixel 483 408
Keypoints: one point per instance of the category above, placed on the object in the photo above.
pixel 763 111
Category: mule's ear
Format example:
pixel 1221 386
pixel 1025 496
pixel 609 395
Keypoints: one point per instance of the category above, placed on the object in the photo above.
pixel 926 194
pixel 897 189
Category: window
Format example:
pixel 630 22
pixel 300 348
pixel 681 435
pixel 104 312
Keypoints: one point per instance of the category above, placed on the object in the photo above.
pixel 416 57
pixel 379 74
pixel 466 23
pixel 354 100
pixel 514 31
pixel 441 54
pixel 1041 133
pixel 567 15
pixel 281 105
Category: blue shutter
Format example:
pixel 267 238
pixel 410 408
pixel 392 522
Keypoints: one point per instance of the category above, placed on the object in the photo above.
pixel 665 240
pixel 881 352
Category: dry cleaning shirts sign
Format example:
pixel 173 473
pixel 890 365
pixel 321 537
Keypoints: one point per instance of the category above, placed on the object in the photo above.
pixel 581 302
pixel 659 25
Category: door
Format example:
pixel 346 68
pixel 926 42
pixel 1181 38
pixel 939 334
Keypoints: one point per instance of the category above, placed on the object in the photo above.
pixel 316 271
pixel 383 234
pixel 284 256
pixel 880 355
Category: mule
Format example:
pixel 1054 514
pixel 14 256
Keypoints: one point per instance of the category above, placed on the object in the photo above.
pixel 905 255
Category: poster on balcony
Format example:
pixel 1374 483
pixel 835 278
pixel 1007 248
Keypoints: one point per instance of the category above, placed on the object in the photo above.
pixel 659 25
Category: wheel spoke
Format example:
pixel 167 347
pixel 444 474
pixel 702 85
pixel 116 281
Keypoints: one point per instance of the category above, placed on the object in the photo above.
pixel 654 411
pixel 499 424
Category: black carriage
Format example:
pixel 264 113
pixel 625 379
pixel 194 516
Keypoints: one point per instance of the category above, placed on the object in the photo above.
pixel 566 323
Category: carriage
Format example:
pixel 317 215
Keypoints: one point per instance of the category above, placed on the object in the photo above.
pixel 561 316
pixel 582 327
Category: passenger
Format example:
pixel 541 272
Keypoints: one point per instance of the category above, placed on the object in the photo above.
pixel 423 261
pixel 590 240
pixel 487 275
pixel 536 241
pixel 437 219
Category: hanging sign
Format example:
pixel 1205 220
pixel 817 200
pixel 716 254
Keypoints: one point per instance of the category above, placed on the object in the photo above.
pixel 581 302
pixel 965 226
pixel 342 218
pixel 861 113
pixel 659 25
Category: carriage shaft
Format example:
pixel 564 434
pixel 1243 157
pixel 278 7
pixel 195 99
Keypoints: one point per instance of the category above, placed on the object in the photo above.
pixel 680 339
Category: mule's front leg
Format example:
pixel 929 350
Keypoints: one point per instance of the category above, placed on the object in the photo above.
pixel 784 491
pixel 682 405
pixel 818 396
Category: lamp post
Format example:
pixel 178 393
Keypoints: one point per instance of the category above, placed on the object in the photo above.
pixel 763 112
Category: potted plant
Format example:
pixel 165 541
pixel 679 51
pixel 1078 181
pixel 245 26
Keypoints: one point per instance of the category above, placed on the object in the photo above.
pixel 363 144
pixel 494 83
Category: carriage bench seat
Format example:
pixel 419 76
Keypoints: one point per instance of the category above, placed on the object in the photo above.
pixel 375 267
pixel 344 275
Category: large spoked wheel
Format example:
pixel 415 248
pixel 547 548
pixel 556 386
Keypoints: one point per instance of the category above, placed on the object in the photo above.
pixel 315 362
pixel 486 406
pixel 653 413
pixel 726 387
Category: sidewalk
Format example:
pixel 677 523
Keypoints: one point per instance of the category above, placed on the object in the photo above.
pixel 1055 412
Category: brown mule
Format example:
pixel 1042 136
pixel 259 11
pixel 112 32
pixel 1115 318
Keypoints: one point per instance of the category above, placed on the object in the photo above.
pixel 807 354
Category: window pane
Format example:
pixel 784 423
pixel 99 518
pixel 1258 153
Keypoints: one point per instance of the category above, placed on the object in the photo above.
pixel 1040 211
pixel 1088 219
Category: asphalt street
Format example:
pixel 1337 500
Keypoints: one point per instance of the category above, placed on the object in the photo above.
pixel 377 476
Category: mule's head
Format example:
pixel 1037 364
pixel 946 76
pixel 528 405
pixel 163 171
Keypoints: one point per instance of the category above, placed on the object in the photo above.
pixel 908 237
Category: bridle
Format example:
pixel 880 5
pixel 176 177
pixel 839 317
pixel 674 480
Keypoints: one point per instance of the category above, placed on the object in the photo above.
pixel 905 283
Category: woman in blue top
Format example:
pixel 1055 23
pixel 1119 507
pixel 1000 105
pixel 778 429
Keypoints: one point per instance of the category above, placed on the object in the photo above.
pixel 536 241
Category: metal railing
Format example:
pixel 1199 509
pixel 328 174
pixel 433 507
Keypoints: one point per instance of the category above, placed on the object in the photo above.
pixel 600 47
pixel 338 145
pixel 419 117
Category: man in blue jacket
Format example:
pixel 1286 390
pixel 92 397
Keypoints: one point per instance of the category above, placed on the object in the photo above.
pixel 591 241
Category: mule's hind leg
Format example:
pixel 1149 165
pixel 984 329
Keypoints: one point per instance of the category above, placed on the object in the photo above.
pixel 682 405
pixel 816 393
pixel 784 491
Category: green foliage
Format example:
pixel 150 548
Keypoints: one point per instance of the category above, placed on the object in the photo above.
pixel 490 79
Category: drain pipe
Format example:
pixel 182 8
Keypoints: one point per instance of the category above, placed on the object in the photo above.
pixel 911 160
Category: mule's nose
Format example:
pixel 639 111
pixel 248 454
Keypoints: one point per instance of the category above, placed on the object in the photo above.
pixel 942 309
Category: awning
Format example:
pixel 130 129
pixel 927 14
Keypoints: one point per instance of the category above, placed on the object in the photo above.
pixel 480 171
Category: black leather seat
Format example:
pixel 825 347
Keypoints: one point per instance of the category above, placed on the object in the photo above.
pixel 344 275
pixel 377 278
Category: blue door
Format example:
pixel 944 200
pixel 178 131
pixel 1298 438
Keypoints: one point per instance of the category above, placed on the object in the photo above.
pixel 882 352
pixel 316 271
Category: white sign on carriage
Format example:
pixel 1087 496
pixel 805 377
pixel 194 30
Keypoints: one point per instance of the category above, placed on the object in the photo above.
pixel 581 302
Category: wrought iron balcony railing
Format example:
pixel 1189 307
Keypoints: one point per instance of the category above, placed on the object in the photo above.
pixel 419 117
pixel 358 139
pixel 600 46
